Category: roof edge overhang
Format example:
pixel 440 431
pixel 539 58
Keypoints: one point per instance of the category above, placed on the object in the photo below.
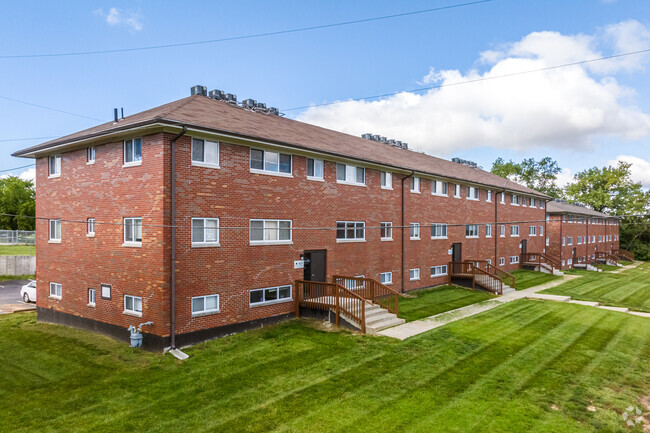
pixel 173 126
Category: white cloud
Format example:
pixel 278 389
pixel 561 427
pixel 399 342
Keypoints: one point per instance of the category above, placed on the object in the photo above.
pixel 117 17
pixel 564 177
pixel 29 174
pixel 640 168
pixel 553 108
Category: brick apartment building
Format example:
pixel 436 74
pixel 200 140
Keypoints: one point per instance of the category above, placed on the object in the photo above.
pixel 212 204
pixel 577 234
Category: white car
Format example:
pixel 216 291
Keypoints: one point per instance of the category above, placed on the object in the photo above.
pixel 28 291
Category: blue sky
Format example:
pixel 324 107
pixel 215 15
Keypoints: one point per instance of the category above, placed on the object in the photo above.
pixel 606 105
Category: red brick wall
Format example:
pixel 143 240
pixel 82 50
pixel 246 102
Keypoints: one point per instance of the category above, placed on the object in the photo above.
pixel 559 229
pixel 109 192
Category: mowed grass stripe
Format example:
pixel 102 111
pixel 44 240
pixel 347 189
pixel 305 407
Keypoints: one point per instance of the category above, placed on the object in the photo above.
pixel 438 300
pixel 413 370
pixel 498 386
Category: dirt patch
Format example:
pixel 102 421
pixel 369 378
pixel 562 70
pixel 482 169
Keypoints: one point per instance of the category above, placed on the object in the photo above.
pixel 591 408
pixel 645 402
pixel 554 407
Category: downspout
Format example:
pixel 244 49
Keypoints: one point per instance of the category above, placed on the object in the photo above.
pixel 173 234
pixel 403 247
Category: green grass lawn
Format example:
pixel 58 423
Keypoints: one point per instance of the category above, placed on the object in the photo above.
pixel 17 250
pixel 525 279
pixel 438 300
pixel 526 366
pixel 630 288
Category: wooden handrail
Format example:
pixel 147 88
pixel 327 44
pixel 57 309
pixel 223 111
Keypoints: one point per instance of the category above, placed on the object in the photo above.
pixel 371 290
pixel 333 297
pixel 480 277
pixel 505 276
pixel 541 258
pixel 626 255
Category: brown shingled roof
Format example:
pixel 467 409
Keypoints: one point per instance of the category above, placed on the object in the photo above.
pixel 566 208
pixel 217 116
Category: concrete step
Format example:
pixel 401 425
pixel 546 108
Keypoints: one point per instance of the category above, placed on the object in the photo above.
pixel 386 323
pixel 639 313
pixel 372 314
pixel 620 309
pixel 546 297
pixel 589 303
pixel 379 318
pixel 508 290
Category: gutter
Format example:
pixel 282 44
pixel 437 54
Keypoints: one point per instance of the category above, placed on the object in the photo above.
pixel 403 248
pixel 173 235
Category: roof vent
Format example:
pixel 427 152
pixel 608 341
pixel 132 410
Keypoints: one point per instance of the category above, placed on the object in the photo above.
pixel 216 94
pixel 375 137
pixel 261 106
pixel 249 103
pixel 465 162
pixel 231 97
pixel 274 111
pixel 560 200
pixel 381 139
pixel 367 136
pixel 198 90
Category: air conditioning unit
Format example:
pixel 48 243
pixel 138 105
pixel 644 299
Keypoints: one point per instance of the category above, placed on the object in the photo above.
pixel 383 139
pixel 248 103
pixel 231 97
pixel 260 106
pixel 405 145
pixel 367 136
pixel 375 138
pixel 274 111
pixel 392 142
pixel 198 90
pixel 217 94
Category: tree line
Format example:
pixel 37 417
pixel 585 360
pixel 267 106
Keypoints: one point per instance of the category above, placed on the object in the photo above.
pixel 17 197
pixel 608 189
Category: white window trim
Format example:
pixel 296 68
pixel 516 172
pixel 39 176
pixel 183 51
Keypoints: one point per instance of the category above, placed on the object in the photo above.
pixel 478 191
pixel 216 165
pixel 205 312
pixel 60 289
pixel 276 301
pixel 416 183
pixel 101 291
pixel 458 187
pixel 417 227
pixel 90 234
pixel 315 178
pixel 386 239
pixel 440 194
pixel 50 239
pixel 514 260
pixel 268 172
pixel 90 161
pixel 131 163
pixel 130 244
pixel 478 231
pixel 418 274
pixel 439 275
pixel 488 196
pixel 512 201
pixel 518 231
pixel 60 164
pixel 274 242
pixel 488 235
pixel 532 232
pixel 92 304
pixel 502 230
pixel 390 184
pixel 346 240
pixel 390 281
pixel 446 230
pixel 132 312
pixel 206 244
pixel 348 182
pixel 502 261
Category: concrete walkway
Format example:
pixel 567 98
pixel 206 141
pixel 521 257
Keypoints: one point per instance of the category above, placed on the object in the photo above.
pixel 410 329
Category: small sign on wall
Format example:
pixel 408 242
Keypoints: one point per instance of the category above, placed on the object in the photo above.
pixel 298 264
pixel 450 252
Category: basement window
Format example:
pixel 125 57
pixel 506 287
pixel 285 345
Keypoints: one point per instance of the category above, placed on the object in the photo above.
pixel 414 274
pixel 56 290
pixel 437 271
pixel 91 297
pixel 267 162
pixel 205 153
pixel 269 295
pixel 133 152
pixel 514 259
pixel 386 278
pixel 202 305
pixel 133 305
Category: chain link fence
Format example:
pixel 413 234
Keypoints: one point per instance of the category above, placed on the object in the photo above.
pixel 17 237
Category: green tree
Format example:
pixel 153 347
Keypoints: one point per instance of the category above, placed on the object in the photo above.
pixel 17 198
pixel 539 175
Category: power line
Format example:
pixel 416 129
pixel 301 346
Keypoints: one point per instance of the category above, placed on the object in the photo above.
pixel 26 139
pixel 17 168
pixel 251 36
pixel 49 108
pixel 476 80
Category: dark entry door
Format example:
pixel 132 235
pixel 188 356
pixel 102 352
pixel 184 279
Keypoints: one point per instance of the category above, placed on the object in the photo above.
pixel 524 246
pixel 315 265
pixel 457 256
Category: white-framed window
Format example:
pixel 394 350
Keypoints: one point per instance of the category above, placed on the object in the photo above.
pixel 91 297
pixel 438 231
pixel 514 259
pixel 488 230
pixel 386 180
pixel 563 241
pixel 579 240
pixel 205 231
pixel 133 305
pixel 472 193
pixel 532 202
pixel 386 278
pixel 415 230
pixel 56 290
pixel 502 261
pixel 54 163
pixel 105 291
pixel 266 161
pixel 133 231
pixel 270 295
pixel 55 230
pixel 205 152
pixel 541 230
pixel 350 231
pixel 569 262
pixel 439 187
pixel 489 195
pixel 569 240
pixel 502 231
pixel 315 169
pixel 437 271
pixel 524 200
pixel 514 230
pixel 515 199
pixel 563 263
pixel 471 231
pixel 414 274
pixel 133 151
pixel 532 230
pixel 350 174
pixel 270 232
pixel 91 227
pixel 456 190
pixel 90 155
pixel 205 304
pixel 600 238
pixel 489 261
pixel 503 197
pixel 387 231
pixel 415 184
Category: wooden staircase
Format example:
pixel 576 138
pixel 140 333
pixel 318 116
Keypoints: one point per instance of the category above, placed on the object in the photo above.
pixel 482 275
pixel 624 255
pixel 541 262
pixel 606 258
